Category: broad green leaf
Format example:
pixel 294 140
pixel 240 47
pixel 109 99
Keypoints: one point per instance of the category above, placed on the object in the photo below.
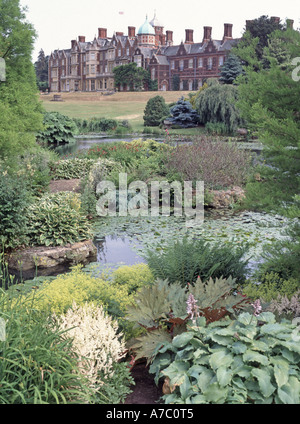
pixel 268 317
pixel 264 381
pixel 224 376
pixel 220 358
pixel 239 347
pixel 246 319
pixel 252 356
pixel 204 379
pixel 176 372
pixel 281 374
pixel 182 339
pixel 216 394
pixel 185 387
pixel 289 393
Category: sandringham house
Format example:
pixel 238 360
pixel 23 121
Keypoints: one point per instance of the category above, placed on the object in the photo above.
pixel 88 66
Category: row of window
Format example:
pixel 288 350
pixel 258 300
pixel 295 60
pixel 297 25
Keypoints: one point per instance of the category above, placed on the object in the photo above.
pixel 199 62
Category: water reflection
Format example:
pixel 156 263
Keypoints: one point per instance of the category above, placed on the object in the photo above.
pixel 83 143
pixel 116 249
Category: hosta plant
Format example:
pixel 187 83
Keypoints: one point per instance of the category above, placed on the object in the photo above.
pixel 161 309
pixel 56 220
pixel 252 359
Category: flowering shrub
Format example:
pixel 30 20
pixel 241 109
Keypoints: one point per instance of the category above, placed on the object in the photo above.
pixel 95 340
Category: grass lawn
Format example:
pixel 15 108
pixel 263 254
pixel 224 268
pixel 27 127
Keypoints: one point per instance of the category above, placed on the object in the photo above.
pixel 118 106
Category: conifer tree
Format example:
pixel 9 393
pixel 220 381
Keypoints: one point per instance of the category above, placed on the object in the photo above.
pixel 231 69
pixel 270 102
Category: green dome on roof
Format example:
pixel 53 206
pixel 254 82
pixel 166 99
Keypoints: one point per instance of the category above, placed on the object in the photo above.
pixel 146 28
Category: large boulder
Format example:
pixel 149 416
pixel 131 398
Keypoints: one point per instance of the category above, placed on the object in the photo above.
pixel 40 258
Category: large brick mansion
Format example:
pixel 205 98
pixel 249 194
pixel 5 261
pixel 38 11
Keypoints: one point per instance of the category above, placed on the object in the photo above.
pixel 88 65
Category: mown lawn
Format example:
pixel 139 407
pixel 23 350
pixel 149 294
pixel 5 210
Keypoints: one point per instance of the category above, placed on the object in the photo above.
pixel 117 106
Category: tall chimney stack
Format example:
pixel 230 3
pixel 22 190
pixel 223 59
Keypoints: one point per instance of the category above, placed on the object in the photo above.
pixel 227 32
pixel 131 32
pixel 102 33
pixel 275 19
pixel 189 36
pixel 207 34
pixel 81 39
pixel 169 35
pixel 290 23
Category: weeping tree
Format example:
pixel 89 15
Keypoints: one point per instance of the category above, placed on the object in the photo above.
pixel 217 104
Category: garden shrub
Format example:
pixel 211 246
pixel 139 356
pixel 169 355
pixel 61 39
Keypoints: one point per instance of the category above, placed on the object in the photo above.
pixel 58 128
pixel 218 164
pixel 133 277
pixel 183 114
pixel 101 169
pixel 38 365
pixel 56 220
pixel 14 200
pixel 58 295
pixel 183 261
pixel 252 360
pixel 270 287
pixel 98 346
pixel 35 168
pixel 156 110
pixel 95 125
pixel 216 128
pixel 68 169
pixel 161 309
pixel 283 256
pixel 286 307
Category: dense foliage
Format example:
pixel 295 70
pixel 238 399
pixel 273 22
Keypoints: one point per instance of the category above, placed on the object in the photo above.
pixel 186 260
pixel 231 69
pixel 252 359
pixel 20 111
pixel 269 101
pixel 38 365
pixel 56 220
pixel 217 103
pixel 58 128
pixel 14 199
pixel 156 110
pixel 183 115
pixel 161 309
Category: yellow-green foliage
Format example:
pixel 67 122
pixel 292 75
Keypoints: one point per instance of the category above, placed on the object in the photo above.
pixel 114 294
pixel 271 288
pixel 58 295
pixel 150 146
pixel 133 277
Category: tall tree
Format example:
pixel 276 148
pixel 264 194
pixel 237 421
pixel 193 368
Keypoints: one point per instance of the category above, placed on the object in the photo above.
pixel 20 109
pixel 41 70
pixel 130 75
pixel 231 69
pixel 270 102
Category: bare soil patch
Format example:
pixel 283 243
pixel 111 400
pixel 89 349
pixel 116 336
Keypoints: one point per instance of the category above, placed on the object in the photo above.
pixel 65 185
pixel 145 390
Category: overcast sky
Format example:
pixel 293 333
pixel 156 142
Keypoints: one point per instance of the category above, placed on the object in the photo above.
pixel 57 22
